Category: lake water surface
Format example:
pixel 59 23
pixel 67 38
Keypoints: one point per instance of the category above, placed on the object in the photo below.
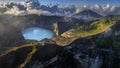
pixel 36 33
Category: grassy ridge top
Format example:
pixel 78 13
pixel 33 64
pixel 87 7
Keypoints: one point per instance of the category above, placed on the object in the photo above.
pixel 87 30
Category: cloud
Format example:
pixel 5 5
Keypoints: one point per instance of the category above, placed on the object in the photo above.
pixel 34 7
pixel 15 11
pixel 101 9
pixel 38 12
pixel 106 9
pixel 21 9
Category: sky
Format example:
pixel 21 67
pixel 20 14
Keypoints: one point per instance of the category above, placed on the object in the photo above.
pixel 81 2
pixel 75 2
pixel 90 2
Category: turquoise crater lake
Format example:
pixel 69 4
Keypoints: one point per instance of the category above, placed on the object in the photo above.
pixel 36 33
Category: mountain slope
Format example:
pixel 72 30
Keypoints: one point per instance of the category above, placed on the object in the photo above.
pixel 42 21
pixel 87 30
pixel 87 14
pixel 9 35
pixel 20 56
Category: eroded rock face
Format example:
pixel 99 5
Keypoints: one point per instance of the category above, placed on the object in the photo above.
pixel 9 35
pixel 25 56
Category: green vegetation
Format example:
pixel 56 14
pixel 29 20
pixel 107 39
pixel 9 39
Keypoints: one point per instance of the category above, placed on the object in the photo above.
pixel 87 30
pixel 96 27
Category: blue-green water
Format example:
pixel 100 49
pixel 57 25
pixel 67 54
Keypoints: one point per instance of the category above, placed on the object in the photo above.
pixel 36 33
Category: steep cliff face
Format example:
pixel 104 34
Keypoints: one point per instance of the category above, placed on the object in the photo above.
pixel 42 21
pixel 9 35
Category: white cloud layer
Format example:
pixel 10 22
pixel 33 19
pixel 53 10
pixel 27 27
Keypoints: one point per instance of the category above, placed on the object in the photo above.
pixel 34 7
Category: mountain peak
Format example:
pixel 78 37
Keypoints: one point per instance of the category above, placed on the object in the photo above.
pixel 97 6
pixel 87 13
pixel 33 3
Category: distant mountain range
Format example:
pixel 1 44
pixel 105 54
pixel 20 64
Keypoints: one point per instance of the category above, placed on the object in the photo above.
pixel 34 7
